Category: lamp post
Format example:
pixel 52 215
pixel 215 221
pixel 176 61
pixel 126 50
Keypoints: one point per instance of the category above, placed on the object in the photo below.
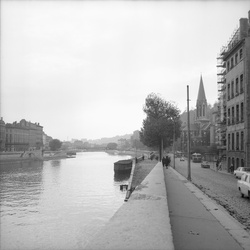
pixel 188 144
pixel 174 143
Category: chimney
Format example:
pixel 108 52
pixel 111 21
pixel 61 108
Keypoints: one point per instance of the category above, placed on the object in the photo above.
pixel 243 27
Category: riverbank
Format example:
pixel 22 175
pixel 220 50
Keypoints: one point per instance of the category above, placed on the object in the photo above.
pixel 142 169
pixel 133 153
pixel 30 156
pixel 18 157
pixel 142 222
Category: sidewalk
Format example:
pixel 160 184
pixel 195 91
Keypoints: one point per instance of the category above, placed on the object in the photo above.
pixel 142 222
pixel 197 222
pixel 223 171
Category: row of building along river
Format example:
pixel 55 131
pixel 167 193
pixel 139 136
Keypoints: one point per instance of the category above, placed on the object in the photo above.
pixel 58 204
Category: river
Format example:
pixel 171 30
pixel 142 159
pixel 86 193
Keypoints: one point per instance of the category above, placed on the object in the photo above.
pixel 58 204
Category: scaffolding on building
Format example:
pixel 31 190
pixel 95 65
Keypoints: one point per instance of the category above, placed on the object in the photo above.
pixel 222 69
pixel 221 121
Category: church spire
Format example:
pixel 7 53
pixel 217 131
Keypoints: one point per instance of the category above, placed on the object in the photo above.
pixel 201 103
pixel 201 93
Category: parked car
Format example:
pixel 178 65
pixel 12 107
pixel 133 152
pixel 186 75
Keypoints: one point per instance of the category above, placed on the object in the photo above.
pixel 205 164
pixel 244 185
pixel 240 171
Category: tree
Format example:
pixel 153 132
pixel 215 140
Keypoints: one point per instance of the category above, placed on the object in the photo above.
pixel 161 123
pixel 55 144
pixel 112 145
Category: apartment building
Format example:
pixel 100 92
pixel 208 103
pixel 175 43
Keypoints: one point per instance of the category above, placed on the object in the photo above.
pixel 21 136
pixel 234 98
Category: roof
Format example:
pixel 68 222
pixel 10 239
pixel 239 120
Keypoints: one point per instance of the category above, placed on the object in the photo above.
pixel 201 93
pixel 198 126
pixel 193 127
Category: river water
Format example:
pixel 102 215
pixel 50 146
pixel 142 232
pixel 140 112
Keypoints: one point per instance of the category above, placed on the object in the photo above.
pixel 58 204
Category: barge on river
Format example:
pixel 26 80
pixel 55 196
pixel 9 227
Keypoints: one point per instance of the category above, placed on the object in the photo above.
pixel 123 165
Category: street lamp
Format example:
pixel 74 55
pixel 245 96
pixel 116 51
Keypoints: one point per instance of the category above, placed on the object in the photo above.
pixel 173 119
pixel 174 142
pixel 188 144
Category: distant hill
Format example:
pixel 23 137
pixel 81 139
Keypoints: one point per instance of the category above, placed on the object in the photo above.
pixel 106 140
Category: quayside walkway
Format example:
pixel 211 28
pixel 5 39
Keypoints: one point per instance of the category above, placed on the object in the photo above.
pixel 168 212
pixel 142 222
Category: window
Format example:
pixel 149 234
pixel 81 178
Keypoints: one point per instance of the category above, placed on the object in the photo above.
pixel 233 121
pixel 241 84
pixel 242 162
pixel 228 91
pixel 236 58
pixel 237 162
pixel 228 66
pixel 200 110
pixel 228 116
pixel 237 113
pixel 237 86
pixel 228 142
pixel 232 89
pixel 242 111
pixel 237 141
pixel 241 54
pixel 232 62
pixel 242 140
pixel 232 141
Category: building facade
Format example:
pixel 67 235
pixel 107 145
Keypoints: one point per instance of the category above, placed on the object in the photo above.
pixel 2 135
pixel 234 98
pixel 21 136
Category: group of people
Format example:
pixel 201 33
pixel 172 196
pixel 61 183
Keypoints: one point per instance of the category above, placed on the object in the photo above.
pixel 166 161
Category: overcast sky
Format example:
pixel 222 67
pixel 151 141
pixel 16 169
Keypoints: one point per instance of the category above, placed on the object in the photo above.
pixel 83 69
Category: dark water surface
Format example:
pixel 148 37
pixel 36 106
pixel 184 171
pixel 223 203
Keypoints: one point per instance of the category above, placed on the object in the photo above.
pixel 58 204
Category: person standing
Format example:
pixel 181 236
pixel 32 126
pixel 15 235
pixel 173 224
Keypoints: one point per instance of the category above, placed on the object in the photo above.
pixel 217 164
pixel 163 161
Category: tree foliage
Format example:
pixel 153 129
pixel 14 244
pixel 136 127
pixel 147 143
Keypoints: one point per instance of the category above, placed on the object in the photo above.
pixel 161 122
pixel 112 145
pixel 55 144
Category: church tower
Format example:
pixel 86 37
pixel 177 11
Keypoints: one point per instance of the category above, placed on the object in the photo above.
pixel 201 104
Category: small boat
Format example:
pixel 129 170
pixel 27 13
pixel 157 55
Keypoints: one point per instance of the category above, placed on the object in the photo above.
pixel 71 154
pixel 123 165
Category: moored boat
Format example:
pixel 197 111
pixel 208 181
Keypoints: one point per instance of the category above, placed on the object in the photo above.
pixel 71 154
pixel 123 165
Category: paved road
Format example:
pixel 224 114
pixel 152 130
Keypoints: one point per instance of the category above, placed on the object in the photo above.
pixel 221 187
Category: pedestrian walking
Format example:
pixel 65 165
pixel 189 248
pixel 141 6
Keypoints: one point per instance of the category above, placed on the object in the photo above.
pixel 167 161
pixel 231 168
pixel 163 161
pixel 217 164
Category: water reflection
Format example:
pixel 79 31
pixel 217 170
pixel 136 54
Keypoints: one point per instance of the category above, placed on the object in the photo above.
pixel 59 204
pixel 21 189
pixel 55 163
